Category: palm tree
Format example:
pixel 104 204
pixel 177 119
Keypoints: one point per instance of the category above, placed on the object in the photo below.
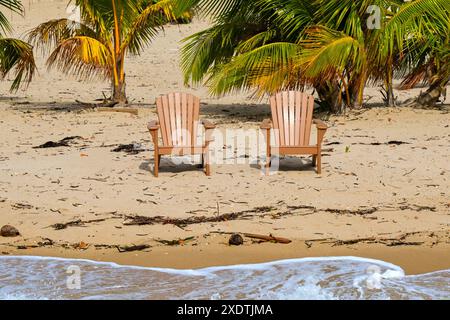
pixel 97 45
pixel 421 32
pixel 15 55
pixel 324 44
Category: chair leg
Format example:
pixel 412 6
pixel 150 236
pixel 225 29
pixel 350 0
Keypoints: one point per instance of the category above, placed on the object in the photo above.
pixel 207 164
pixel 267 165
pixel 319 163
pixel 268 152
pixel 206 160
pixel 314 158
pixel 157 158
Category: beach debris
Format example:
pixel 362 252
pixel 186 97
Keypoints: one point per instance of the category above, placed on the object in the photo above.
pixel 180 222
pixel 133 111
pixel 416 207
pixel 61 143
pixel 80 245
pixel 79 223
pixel 409 172
pixel 132 148
pixel 269 238
pixel 359 212
pixel 133 247
pixel 104 104
pixel 391 142
pixel 175 242
pixel 96 179
pixel 45 242
pixel 332 143
pixel 235 240
pixel 9 231
pixel 21 206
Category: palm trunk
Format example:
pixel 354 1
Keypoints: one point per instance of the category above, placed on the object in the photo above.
pixel 388 89
pixel 329 95
pixel 118 87
pixel 118 92
pixel 430 97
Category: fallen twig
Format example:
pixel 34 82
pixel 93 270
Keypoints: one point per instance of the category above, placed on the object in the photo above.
pixel 79 222
pixel 133 248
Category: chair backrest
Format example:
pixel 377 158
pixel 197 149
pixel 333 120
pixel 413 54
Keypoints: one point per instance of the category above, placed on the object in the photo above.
pixel 178 115
pixel 292 113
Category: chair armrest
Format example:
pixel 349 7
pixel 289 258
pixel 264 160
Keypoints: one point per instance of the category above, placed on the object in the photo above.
pixel 208 124
pixel 153 125
pixel 320 124
pixel 266 124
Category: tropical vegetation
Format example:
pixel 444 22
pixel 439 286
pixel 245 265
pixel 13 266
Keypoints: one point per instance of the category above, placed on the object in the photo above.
pixel 334 46
pixel 97 45
pixel 16 56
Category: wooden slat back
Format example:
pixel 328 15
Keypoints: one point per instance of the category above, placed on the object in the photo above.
pixel 178 115
pixel 292 113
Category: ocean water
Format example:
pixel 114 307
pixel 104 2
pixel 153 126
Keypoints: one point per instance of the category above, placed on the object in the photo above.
pixel 307 278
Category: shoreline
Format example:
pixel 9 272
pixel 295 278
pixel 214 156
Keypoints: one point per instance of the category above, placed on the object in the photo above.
pixel 413 260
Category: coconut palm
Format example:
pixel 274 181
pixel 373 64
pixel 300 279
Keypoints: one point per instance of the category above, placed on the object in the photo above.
pixel 97 45
pixel 421 32
pixel 324 44
pixel 16 56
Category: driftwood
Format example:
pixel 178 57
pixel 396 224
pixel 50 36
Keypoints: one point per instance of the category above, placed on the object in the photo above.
pixel 270 238
pixel 133 111
pixel 133 248
pixel 79 222
pixel 175 242
pixel 104 104
pixel 108 106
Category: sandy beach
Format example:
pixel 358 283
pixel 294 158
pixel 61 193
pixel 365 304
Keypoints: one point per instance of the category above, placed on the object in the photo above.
pixel 383 192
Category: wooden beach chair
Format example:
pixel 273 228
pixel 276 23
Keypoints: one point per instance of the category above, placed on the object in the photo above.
pixel 292 113
pixel 178 121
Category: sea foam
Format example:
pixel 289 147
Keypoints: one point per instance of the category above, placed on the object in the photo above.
pixel 306 278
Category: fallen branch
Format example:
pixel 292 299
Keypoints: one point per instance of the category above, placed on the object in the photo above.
pixel 270 237
pixel 267 238
pixel 79 223
pixel 133 248
pixel 105 104
pixel 175 242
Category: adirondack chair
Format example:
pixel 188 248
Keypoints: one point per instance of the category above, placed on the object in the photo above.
pixel 178 121
pixel 291 122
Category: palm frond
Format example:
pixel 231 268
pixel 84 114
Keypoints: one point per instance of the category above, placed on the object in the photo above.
pixel 147 23
pixel 270 62
pixel 83 57
pixel 13 5
pixel 49 34
pixel 16 56
pixel 324 51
